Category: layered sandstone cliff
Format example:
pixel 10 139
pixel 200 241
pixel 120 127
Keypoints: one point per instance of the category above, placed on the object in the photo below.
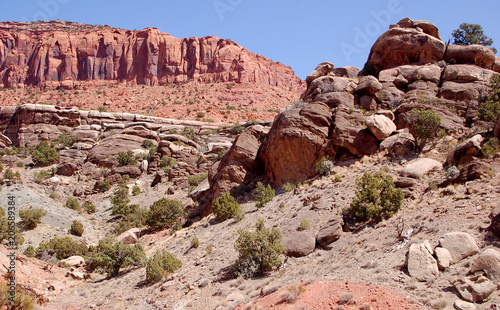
pixel 56 54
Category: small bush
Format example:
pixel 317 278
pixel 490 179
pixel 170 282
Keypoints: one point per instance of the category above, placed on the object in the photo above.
pixel 425 125
pixel 263 194
pixel 338 178
pixel 30 251
pixel 304 225
pixel 111 256
pixel 131 220
pixel 76 228
pixel 44 154
pixel 62 247
pixel 147 144
pixel 53 195
pixel 490 148
pixel 489 108
pixel 287 187
pixel 259 251
pixel 195 242
pixel 89 207
pixel 9 174
pixel 324 166
pixel 32 217
pixel 236 129
pixel 376 197
pixel 19 301
pixel 164 212
pixel 72 203
pixel 160 265
pixel 220 155
pixel 102 109
pixel 188 133
pixel 119 200
pixel 136 190
pixel 104 186
pixel 5 231
pixel 20 164
pixel 195 180
pixel 226 207
pixel 167 162
pixel 126 158
pixel 67 139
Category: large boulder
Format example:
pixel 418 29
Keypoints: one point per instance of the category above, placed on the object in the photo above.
pixel 132 171
pixel 327 84
pixel 449 119
pixel 350 132
pixel 298 243
pixel 381 126
pixel 469 147
pixel 470 54
pixel 298 139
pixel 67 169
pixel 474 288
pixel 335 99
pixel 467 74
pixel 400 144
pixel 74 261
pixel 489 262
pixel 368 85
pixel 420 167
pixel 329 232
pixel 420 262
pixel 103 152
pixel 321 70
pixel 405 44
pixel 462 91
pixel 459 244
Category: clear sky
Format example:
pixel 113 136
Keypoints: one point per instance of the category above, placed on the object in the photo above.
pixel 297 33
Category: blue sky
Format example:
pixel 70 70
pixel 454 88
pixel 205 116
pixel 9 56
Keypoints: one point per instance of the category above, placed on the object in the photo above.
pixel 297 33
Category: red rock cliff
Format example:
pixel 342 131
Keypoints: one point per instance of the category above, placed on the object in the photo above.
pixel 54 54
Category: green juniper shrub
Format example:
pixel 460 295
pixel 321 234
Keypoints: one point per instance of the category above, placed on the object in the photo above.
pixel 425 124
pixel 136 190
pixel 131 220
pixel 119 200
pixel 489 107
pixel 490 148
pixel 167 162
pixel 147 144
pixel 195 242
pixel 287 187
pixel 89 207
pixel 62 247
pixel 304 225
pixel 324 166
pixel 111 256
pixel 160 265
pixel 259 251
pixel 5 230
pixel 226 207
pixel 188 133
pixel 263 194
pixel 19 300
pixel 32 217
pixel 9 174
pixel 72 203
pixel 103 186
pixel 236 129
pixel 126 158
pixel 376 197
pixel 67 139
pixel 164 212
pixel 76 228
pixel 20 164
pixel 30 251
pixel 44 154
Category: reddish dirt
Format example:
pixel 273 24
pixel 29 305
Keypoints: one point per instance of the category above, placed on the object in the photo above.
pixel 326 294
pixel 218 102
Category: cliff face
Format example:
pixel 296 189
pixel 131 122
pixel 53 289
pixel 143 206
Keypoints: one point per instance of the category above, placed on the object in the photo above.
pixel 56 54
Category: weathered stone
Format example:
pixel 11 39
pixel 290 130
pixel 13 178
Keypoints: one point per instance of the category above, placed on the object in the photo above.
pixel 351 133
pixel 368 103
pixel 129 237
pixel 329 233
pixel 449 119
pixel 467 74
pixel 470 54
pixel 421 264
pixel 475 288
pixel 459 244
pixel 321 70
pixel 463 305
pixel 471 146
pixel 368 85
pixel 489 262
pixel 132 171
pixel 462 91
pixel 380 126
pixel 74 261
pixel 335 99
pixel 443 257
pixel 420 167
pixel 67 169
pixel 298 243
pixel 400 144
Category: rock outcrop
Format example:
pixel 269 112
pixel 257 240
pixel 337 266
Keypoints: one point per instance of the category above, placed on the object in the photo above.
pixel 58 54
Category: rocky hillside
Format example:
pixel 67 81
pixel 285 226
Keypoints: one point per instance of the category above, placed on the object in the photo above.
pixel 58 54
pixel 437 250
